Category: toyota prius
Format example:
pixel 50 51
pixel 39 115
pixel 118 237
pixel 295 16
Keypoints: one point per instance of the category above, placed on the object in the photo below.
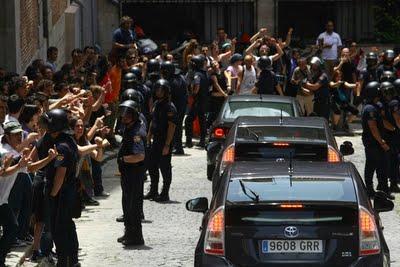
pixel 291 214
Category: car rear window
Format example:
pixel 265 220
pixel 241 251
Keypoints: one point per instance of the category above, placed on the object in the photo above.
pixel 281 133
pixel 234 109
pixel 294 189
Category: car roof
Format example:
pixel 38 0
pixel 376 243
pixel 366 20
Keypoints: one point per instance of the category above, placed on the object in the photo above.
pixel 314 122
pixel 263 98
pixel 267 169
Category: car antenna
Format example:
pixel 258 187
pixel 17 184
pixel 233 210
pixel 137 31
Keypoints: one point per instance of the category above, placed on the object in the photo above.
pixel 290 167
pixel 281 118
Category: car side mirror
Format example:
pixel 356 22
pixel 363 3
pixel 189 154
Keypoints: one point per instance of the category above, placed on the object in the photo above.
pixel 197 205
pixel 346 148
pixel 382 203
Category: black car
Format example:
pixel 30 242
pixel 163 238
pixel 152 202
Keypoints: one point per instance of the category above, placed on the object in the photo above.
pixel 278 139
pixel 245 105
pixel 291 214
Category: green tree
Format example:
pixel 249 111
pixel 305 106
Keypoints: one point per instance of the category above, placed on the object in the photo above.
pixel 387 19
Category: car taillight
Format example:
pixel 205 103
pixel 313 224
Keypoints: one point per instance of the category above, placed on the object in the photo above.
pixel 333 155
pixel 214 238
pixel 369 236
pixel 280 144
pixel 291 206
pixel 228 157
pixel 219 132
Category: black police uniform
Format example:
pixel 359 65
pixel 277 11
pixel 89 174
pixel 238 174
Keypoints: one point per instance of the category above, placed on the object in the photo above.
pixel 374 154
pixel 266 83
pixel 146 93
pixel 179 99
pixel 199 107
pixel 393 139
pixel 132 180
pixel 63 228
pixel 321 96
pixel 163 112
pixel 367 76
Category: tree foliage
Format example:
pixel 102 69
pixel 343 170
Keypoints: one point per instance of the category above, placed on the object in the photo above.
pixel 387 19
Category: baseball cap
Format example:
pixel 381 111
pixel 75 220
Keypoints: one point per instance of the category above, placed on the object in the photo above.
pixel 12 127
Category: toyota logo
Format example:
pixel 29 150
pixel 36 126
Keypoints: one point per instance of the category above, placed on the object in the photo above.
pixel 291 232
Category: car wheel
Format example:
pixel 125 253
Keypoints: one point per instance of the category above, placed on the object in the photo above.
pixel 210 172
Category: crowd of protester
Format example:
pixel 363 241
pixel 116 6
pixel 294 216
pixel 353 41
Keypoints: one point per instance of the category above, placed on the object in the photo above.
pixel 328 82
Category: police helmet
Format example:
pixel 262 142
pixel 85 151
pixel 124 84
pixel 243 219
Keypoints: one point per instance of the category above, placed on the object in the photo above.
pixel 56 120
pixel 371 59
pixel 137 71
pixel 316 61
pixel 264 63
pixel 132 94
pixel 373 90
pixel 388 76
pixel 198 62
pixel 389 55
pixel 129 107
pixel 235 58
pixel 167 69
pixel 153 65
pixel 164 85
pixel 129 80
pixel 396 85
pixel 388 90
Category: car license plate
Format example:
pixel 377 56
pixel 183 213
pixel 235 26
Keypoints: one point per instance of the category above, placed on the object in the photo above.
pixel 292 246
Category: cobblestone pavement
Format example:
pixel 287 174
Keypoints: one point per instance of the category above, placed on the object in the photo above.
pixel 171 232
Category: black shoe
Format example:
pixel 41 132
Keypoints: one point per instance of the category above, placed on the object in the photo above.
pixel 162 198
pixel 18 243
pixel 121 239
pixel 91 202
pixel 36 256
pixel 178 152
pixel 28 239
pixel 394 188
pixel 133 242
pixel 120 219
pixel 151 195
pixel 103 194
pixel 189 144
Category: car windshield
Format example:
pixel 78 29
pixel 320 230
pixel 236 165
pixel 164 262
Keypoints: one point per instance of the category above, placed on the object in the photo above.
pixel 281 133
pixel 295 189
pixel 234 109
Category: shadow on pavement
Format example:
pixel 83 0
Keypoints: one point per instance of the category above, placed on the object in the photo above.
pixel 138 248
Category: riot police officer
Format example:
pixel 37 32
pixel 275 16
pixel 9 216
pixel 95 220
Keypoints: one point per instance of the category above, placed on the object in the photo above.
pixel 199 89
pixel 319 84
pixel 266 83
pixel 143 89
pixel 161 130
pixel 387 64
pixel 132 94
pixel 391 119
pixel 131 165
pixel 129 80
pixel 375 145
pixel 387 76
pixel 62 190
pixel 369 74
pixel 178 98
pixel 396 85
pixel 153 74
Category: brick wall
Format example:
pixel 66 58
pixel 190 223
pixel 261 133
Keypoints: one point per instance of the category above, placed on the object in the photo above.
pixel 57 9
pixel 29 30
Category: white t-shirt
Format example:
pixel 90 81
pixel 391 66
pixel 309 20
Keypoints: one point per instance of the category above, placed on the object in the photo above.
pixel 330 39
pixel 248 80
pixel 7 182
